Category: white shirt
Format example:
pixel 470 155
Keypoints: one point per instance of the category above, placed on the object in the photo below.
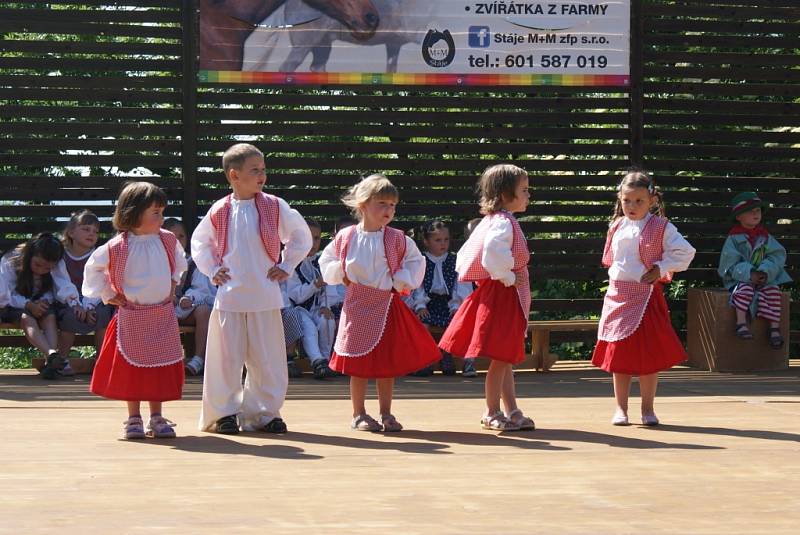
pixel 249 289
pixel 63 289
pixel 419 299
pixel 146 280
pixel 497 257
pixel 300 292
pixel 366 263
pixel 200 289
pixel 627 264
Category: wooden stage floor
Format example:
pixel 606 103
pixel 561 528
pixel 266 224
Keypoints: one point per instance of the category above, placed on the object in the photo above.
pixel 726 460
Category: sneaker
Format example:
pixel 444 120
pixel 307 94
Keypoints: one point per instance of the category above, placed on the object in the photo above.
pixel 134 428
pixel 194 366
pixel 447 365
pixel 227 425
pixel 321 369
pixel 67 370
pixel 620 418
pixel 160 427
pixel 53 364
pixel 294 371
pixel 469 368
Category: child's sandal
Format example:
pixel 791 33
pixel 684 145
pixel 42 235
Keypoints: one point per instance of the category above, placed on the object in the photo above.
pixel 390 423
pixel 743 332
pixel 775 339
pixel 498 422
pixel 134 428
pixel 523 422
pixel 160 427
pixel 365 422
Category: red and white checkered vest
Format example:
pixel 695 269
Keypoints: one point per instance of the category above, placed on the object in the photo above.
pixel 365 308
pixel 625 302
pixel 473 250
pixel 147 335
pixel 268 219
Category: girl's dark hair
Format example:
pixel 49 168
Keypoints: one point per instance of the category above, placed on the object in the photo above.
pixel 45 246
pixel 135 198
pixel 429 227
pixel 638 178
pixel 81 217
pixel 498 184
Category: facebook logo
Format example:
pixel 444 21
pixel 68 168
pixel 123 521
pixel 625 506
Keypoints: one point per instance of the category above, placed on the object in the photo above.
pixel 479 36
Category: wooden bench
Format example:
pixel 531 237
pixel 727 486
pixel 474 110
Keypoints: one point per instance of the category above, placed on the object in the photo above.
pixel 541 358
pixel 80 365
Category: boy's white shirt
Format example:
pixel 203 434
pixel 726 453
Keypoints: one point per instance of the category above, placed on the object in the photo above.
pixel 627 264
pixel 300 292
pixel 249 289
pixel 496 258
pixel 63 289
pixel 147 280
pixel 366 263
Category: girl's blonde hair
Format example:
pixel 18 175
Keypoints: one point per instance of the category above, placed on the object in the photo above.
pixel 374 186
pixel 497 185
pixel 638 178
pixel 82 217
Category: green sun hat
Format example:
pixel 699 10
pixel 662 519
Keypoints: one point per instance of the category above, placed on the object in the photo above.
pixel 744 202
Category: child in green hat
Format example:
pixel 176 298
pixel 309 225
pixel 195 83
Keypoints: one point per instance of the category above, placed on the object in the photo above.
pixel 752 266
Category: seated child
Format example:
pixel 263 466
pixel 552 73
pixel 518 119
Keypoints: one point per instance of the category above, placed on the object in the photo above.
pixel 438 299
pixel 752 266
pixel 469 364
pixel 89 314
pixel 308 291
pixel 194 299
pixel 29 273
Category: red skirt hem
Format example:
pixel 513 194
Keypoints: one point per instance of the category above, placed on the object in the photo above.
pixel 406 346
pixel 489 324
pixel 652 348
pixel 116 378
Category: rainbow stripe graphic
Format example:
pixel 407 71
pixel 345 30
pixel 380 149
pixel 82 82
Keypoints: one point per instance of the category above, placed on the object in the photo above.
pixel 345 78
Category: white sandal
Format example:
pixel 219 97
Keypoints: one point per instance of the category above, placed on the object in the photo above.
pixel 498 422
pixel 523 422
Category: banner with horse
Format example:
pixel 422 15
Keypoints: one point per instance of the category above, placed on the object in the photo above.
pixel 415 42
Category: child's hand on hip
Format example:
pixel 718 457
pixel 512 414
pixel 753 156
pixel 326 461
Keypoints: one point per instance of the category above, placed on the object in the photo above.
pixel 276 274
pixel 652 275
pixel 118 300
pixel 221 276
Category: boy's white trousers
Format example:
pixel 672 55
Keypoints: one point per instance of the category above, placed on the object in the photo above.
pixel 236 339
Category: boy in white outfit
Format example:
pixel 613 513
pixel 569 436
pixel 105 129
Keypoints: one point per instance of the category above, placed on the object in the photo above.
pixel 237 245
pixel 308 291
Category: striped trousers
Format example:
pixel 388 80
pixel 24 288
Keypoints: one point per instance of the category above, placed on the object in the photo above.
pixel 768 300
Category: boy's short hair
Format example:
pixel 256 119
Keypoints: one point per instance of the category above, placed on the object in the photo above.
pixel 234 157
pixel 171 222
pixel 135 198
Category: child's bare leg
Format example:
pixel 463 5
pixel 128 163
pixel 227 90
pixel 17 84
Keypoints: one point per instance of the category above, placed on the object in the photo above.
pixel 494 385
pixel 385 391
pixel 358 395
pixel 647 387
pixel 65 342
pixel 509 392
pixel 622 389
pixel 133 408
pixel 50 329
pixel 34 334
pixel 155 407
pixel 741 317
pixel 201 316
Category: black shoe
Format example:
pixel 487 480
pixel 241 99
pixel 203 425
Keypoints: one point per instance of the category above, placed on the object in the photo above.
pixel 228 425
pixel 53 364
pixel 321 370
pixel 276 425
pixel 294 371
pixel 447 365
pixel 424 372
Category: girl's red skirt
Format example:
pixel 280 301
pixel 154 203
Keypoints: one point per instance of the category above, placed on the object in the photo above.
pixel 116 378
pixel 406 346
pixel 652 348
pixel 489 323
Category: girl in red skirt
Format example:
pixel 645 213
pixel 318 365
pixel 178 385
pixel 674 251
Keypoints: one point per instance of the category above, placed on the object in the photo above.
pixel 379 336
pixel 493 321
pixel 141 357
pixel 635 336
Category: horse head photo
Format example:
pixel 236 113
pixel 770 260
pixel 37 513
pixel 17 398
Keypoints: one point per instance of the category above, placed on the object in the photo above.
pixel 226 24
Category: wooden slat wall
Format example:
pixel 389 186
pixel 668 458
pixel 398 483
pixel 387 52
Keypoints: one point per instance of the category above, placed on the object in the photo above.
pixel 90 101
pixel 714 94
